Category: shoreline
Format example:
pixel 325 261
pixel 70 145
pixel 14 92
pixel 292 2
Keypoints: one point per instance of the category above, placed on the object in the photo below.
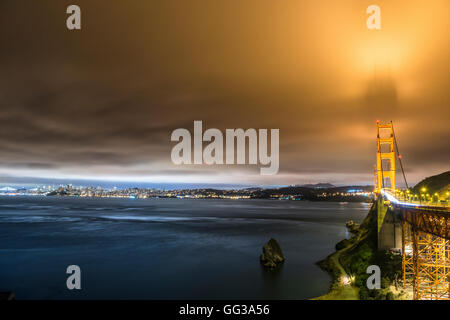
pixel 348 264
pixel 341 287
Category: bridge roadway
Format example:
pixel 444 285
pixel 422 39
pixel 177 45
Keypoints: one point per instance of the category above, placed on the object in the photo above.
pixel 426 217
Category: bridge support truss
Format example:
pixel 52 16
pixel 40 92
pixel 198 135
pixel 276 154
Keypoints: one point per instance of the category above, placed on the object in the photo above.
pixel 425 261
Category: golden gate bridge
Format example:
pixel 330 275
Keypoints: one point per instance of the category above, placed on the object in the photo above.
pixel 416 224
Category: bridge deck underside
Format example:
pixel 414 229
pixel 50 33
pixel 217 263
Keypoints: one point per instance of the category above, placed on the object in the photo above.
pixel 433 222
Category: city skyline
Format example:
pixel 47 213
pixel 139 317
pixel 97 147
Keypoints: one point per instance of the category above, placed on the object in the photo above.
pixel 100 103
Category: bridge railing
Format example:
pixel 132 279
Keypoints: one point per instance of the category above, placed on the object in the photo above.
pixel 407 197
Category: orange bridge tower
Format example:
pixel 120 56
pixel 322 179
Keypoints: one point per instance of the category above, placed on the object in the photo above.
pixel 385 168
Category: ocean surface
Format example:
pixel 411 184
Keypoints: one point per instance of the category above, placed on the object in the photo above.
pixel 167 248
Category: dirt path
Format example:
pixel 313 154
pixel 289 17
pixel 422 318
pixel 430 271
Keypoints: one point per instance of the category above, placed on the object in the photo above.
pixel 341 291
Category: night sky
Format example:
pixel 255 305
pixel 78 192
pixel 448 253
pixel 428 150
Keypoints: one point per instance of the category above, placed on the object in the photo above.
pixel 102 102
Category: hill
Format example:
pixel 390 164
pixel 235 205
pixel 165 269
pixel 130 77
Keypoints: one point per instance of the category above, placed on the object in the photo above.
pixel 439 183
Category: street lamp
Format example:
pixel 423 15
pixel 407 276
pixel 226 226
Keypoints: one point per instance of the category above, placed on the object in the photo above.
pixel 422 190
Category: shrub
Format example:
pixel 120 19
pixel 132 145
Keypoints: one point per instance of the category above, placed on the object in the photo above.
pixel 342 244
pixel 363 293
pixel 390 296
pixel 385 282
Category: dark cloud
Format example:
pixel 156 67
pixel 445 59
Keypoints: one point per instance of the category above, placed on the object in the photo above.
pixel 106 98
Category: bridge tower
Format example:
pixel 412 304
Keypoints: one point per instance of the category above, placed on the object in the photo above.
pixel 385 151
pixel 389 226
pixel 421 232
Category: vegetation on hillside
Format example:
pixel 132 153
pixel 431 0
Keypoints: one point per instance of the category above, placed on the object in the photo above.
pixel 351 260
pixel 348 265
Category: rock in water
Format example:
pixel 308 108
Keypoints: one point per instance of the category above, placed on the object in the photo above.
pixel 352 227
pixel 272 254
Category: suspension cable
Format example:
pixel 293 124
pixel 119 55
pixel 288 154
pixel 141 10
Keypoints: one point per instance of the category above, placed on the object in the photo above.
pixel 399 156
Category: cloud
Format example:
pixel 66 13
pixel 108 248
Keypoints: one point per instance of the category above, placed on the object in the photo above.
pixel 104 101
